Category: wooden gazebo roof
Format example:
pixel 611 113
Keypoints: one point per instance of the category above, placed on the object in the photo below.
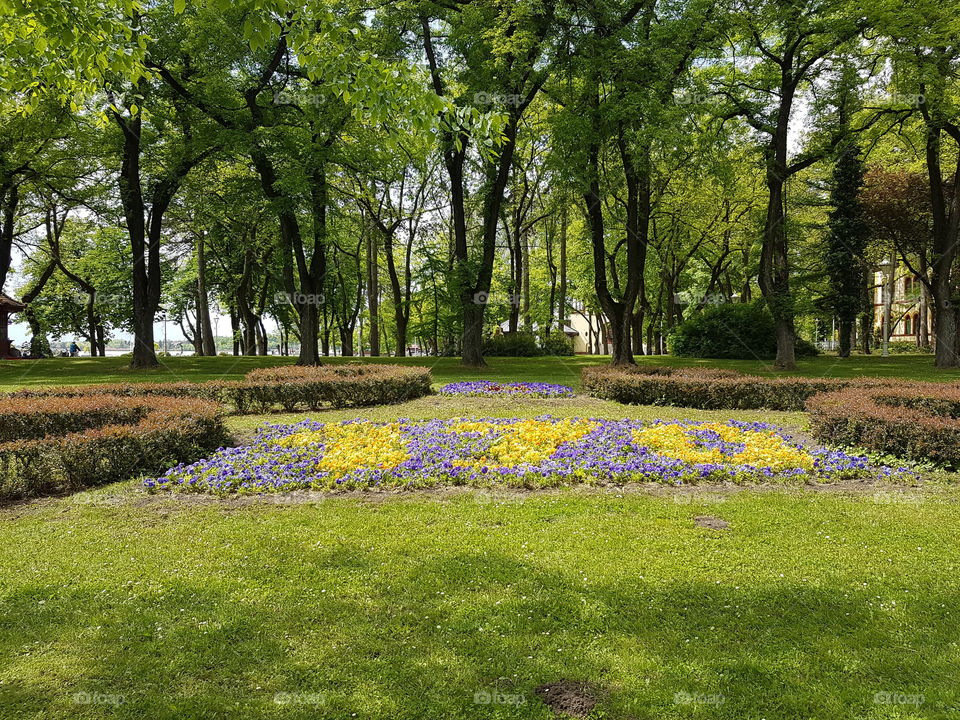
pixel 9 305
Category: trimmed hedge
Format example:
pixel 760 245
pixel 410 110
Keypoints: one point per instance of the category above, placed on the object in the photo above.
pixel 709 389
pixel 918 421
pixel 292 386
pixel 51 444
pixel 288 387
pixel 34 418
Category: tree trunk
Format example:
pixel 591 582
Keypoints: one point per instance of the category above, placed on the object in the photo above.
pixel 208 344
pixel 472 353
pixel 562 289
pixel 373 292
pixel 346 342
pixel 774 276
pixel 946 233
pixel 846 336
pixel 10 199
pixel 39 345
pixel 131 197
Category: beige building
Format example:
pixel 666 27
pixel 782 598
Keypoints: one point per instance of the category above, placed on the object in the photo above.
pixel 908 305
pixel 590 330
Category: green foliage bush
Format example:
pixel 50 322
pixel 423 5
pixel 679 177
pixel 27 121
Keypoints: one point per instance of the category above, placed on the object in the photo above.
pixel 54 444
pixel 518 344
pixel 734 330
pixel 707 388
pixel 918 421
pixel 556 343
pixel 907 347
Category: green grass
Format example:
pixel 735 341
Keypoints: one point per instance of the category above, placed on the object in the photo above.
pixel 59 371
pixel 405 606
pixel 436 406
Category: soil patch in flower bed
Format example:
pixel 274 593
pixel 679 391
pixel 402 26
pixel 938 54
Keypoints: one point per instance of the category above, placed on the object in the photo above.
pixel 499 452
pixel 485 388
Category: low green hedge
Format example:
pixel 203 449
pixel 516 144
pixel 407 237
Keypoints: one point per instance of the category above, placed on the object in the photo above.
pixel 708 389
pixel 289 387
pixel 55 444
pixel 918 421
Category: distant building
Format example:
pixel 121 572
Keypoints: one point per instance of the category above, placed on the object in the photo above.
pixel 909 305
pixel 591 331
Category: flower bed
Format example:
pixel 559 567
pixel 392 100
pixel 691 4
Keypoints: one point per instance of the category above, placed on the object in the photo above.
pixel 529 453
pixel 54 444
pixel 486 388
pixel 919 421
pixel 710 389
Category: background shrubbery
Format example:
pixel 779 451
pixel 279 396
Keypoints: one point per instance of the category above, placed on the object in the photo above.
pixel 735 330
pixel 521 344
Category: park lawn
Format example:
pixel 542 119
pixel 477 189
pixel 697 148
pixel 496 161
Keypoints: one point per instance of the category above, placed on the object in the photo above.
pixel 410 605
pixel 438 406
pixel 563 370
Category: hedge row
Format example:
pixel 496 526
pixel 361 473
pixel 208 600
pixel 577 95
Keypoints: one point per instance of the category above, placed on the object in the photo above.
pixel 289 387
pixel 68 443
pixel 918 421
pixel 34 418
pixel 709 389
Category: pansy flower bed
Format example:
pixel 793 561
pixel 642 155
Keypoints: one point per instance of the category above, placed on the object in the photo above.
pixel 486 388
pixel 519 452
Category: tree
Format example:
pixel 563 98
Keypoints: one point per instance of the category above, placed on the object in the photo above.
pixel 784 47
pixel 848 233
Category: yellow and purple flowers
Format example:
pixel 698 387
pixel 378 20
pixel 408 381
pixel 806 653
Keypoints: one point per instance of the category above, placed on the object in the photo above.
pixel 529 452
pixel 486 388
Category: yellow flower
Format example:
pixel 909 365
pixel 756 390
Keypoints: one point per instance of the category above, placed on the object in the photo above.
pixel 761 448
pixel 523 441
pixel 353 446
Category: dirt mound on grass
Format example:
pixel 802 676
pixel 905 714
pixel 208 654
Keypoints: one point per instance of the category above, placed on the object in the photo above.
pixel 569 697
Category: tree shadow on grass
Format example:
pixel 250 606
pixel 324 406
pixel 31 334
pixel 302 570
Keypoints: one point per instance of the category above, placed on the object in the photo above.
pixel 467 635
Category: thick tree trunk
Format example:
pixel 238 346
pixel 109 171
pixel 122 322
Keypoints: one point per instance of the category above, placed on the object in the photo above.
pixel 131 197
pixel 401 322
pixel 346 342
pixel 846 337
pixel 472 353
pixel 636 332
pixel 774 267
pixel 946 235
pixel 10 199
